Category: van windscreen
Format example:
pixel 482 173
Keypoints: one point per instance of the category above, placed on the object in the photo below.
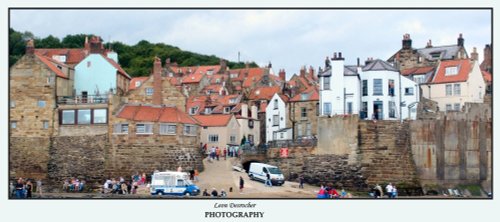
pixel 274 170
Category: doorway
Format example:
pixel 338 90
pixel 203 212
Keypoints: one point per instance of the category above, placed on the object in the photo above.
pixel 378 110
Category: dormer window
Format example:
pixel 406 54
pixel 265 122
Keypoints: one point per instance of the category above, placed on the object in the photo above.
pixel 450 71
pixel 60 58
pixel 217 81
pixel 193 110
pixel 304 96
pixel 234 75
pixel 137 84
pixel 208 110
pixel 210 72
pixel 275 103
pixel 435 55
pixel 227 109
pixel 233 100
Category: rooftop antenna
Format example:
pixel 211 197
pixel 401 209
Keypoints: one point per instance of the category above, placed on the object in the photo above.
pixel 238 56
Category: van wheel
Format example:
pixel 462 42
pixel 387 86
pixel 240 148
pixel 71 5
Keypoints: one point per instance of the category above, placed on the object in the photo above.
pixel 187 194
pixel 251 177
pixel 159 193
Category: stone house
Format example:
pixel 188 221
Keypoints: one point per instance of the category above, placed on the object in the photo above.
pixel 455 83
pixel 219 130
pixel 250 124
pixel 303 113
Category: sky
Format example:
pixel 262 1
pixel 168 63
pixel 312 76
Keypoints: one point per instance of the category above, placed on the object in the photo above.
pixel 288 39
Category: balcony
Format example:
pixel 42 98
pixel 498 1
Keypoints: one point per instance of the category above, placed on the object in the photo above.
pixel 79 100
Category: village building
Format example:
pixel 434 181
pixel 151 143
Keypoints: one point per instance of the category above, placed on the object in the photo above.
pixel 219 130
pixel 455 83
pixel 303 113
pixel 276 119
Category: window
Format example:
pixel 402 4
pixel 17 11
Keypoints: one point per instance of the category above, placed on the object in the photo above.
pixel 227 109
pixel 100 116
pixel 168 129
pixel 349 107
pixel 232 101
pixel 317 109
pixel 304 96
pixel 180 183
pixel 84 116
pixel 149 91
pixel 275 135
pixel 365 87
pixel 452 70
pixel 210 72
pixel 50 80
pixel 275 103
pixel 193 110
pixel 308 129
pixel 364 110
pixel 41 103
pixel 190 130
pixel 457 107
pixel 144 128
pixel 448 107
pixel 89 63
pixel 377 87
pixel 250 123
pixel 217 81
pixel 13 124
pixel 391 87
pixel 408 91
pixel 120 128
pixel 208 110
pixel 282 135
pixel 233 75
pixel 419 79
pixel 303 112
pixel 327 108
pixel 299 130
pixel 392 109
pixel 456 89
pixel 250 138
pixel 12 104
pixel 232 139
pixel 326 83
pixel 448 89
pixel 213 138
pixel 276 120
pixel 68 117
pixel 45 124
pixel 137 84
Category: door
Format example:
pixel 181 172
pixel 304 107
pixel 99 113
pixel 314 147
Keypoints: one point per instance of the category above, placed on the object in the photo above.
pixel 84 96
pixel 378 110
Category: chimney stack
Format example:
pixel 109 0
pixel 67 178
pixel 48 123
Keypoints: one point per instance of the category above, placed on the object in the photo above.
pixel 487 58
pixel 96 46
pixel 223 65
pixel 86 45
pixel 282 74
pixel 474 55
pixel 460 40
pixel 429 44
pixel 157 82
pixel 406 41
pixel 244 110
pixel 30 47
pixel 311 71
pixel 337 56
pixel 358 62
pixel 303 71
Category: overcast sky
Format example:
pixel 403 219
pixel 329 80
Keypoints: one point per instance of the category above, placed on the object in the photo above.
pixel 288 38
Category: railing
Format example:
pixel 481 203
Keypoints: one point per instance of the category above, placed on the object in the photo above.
pixel 302 142
pixel 249 149
pixel 89 99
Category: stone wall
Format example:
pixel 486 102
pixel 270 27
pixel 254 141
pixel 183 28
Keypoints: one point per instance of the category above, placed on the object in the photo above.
pixel 28 157
pixel 338 135
pixel 455 148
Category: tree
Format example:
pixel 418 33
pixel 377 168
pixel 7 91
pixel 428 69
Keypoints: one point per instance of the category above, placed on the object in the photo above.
pixel 74 41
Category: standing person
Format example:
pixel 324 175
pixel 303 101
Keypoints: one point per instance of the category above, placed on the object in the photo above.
pixel 196 175
pixel 268 180
pixel 20 189
pixel 217 153
pixel 301 182
pixel 143 178
pixel 242 184
pixel 12 188
pixel 39 187
pixel 29 189
pixel 179 169
pixel 191 174
pixel 394 191
pixel 388 190
pixel 224 153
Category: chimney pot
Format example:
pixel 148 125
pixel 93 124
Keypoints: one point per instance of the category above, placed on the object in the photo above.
pixel 30 47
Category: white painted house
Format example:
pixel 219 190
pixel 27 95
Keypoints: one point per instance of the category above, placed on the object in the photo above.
pixel 276 120
pixel 381 93
pixel 372 91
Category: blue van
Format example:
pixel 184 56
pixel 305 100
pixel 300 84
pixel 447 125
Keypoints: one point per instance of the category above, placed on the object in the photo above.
pixel 173 183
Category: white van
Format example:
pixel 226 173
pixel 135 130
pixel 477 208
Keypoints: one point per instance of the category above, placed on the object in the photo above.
pixel 259 171
pixel 172 183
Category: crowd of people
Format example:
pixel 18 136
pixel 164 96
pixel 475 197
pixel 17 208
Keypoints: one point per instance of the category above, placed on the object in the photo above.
pixel 390 190
pixel 122 186
pixel 23 188
pixel 216 153
pixel 328 191
pixel 73 185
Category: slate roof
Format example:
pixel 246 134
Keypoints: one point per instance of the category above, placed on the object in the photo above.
pixel 379 65
pixel 446 52
pixel 351 70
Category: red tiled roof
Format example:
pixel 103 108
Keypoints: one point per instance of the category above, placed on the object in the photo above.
pixel 155 114
pixel 263 93
pixel 73 56
pixel 221 77
pixel 417 71
pixel 52 67
pixel 312 91
pixel 137 79
pixel 213 120
pixel 117 67
pixel 486 76
pixel 464 68
pixel 192 78
pixel 204 69
pixel 174 81
pixel 254 75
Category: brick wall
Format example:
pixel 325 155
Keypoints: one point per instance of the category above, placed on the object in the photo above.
pixel 28 157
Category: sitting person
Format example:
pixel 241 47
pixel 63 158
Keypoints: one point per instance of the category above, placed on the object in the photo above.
pixel 223 193
pixel 205 193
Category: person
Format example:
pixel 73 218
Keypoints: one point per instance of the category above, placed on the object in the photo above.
pixel 242 184
pixel 378 191
pixel 143 178
pixel 388 190
pixel 29 189
pixel 301 182
pixel 322 192
pixel 196 175
pixel 223 193
pixel 205 193
pixel 268 180
pixel 12 188
pixel 333 193
pixel 179 169
pixel 39 187
pixel 343 194
pixel 20 188
pixel 191 174
pixel 134 187
pixel 224 153
pixel 82 186
pixel 65 185
pixel 76 186
pixel 214 193
pixel 394 191
pixel 123 187
pixel 217 153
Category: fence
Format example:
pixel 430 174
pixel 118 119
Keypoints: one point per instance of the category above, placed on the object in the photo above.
pixel 303 142
pixel 81 99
